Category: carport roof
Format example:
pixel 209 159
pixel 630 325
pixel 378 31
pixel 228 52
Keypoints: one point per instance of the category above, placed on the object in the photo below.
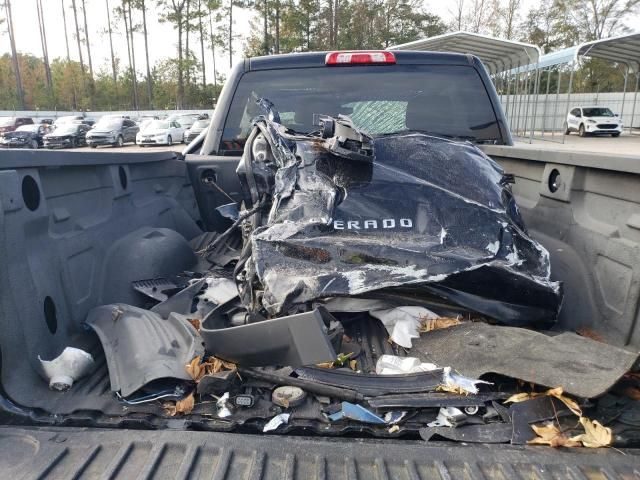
pixel 623 49
pixel 496 53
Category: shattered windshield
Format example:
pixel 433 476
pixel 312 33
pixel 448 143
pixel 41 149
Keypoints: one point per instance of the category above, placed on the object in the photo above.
pixel 448 100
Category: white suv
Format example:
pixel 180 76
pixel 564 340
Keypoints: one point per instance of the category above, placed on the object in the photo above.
pixel 587 120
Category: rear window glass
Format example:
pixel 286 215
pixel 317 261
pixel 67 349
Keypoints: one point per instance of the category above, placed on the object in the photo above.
pixel 448 100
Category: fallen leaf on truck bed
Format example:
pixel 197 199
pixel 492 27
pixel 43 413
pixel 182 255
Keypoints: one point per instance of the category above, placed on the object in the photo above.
pixel 552 436
pixel 553 392
pixel 195 323
pixel 198 369
pixel 596 435
pixel 430 324
pixel 184 406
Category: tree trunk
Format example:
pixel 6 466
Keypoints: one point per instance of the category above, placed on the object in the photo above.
pixel 126 31
pixel 230 33
pixel 75 17
pixel 86 37
pixel 14 56
pixel 113 58
pixel 180 96
pixel 265 18
pixel 335 23
pixel 136 104
pixel 204 70
pixel 213 53
pixel 330 21
pixel 45 48
pixel 66 41
pixel 146 54
pixel 277 42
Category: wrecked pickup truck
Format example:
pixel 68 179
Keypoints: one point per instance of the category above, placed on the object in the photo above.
pixel 353 249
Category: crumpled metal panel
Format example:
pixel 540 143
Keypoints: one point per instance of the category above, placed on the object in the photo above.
pixel 141 346
pixel 426 213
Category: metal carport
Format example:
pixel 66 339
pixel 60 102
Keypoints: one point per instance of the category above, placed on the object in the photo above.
pixel 499 56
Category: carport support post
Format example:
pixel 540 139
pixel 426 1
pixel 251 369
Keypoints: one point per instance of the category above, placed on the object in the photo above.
pixel 526 108
pixel 635 99
pixel 519 95
pixel 624 91
pixel 555 107
pixel 536 85
pixel 509 94
pixel 546 101
pixel 573 65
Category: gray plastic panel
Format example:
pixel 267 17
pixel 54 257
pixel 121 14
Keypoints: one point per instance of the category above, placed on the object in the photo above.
pixel 124 454
pixel 585 209
pixel 72 236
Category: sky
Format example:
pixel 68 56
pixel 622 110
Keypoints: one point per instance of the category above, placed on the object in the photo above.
pixel 162 36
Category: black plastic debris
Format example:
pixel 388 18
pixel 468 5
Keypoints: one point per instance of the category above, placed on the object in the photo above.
pixel 371 384
pixel 536 410
pixel 348 215
pixel 581 366
pixel 140 346
pixel 294 340
pixel 489 433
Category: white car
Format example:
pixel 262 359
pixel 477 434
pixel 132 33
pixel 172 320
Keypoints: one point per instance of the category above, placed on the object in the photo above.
pixel 588 120
pixel 161 132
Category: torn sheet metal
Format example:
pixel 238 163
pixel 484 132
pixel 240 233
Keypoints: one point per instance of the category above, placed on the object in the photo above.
pixel 141 346
pixel 66 368
pixel 581 366
pixel 357 413
pixel 449 417
pixel 294 340
pixel 276 421
pixel 181 302
pixel 422 212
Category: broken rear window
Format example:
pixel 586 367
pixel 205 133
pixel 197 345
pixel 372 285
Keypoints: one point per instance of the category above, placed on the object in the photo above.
pixel 448 100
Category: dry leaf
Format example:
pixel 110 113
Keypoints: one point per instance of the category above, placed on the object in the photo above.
pixel 353 364
pixel 325 365
pixel 214 365
pixel 394 429
pixel 195 323
pixel 452 389
pixel 590 333
pixel 184 406
pixel 519 397
pixel 430 324
pixel 553 392
pixel 195 371
pixel 550 435
pixel 596 435
pixel 198 369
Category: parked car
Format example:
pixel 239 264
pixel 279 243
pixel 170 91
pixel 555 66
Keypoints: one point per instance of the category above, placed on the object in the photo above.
pixel 184 119
pixel 145 119
pixel 25 136
pixel 9 124
pixel 195 130
pixel 160 132
pixel 593 120
pixel 68 119
pixel 114 131
pixel 67 135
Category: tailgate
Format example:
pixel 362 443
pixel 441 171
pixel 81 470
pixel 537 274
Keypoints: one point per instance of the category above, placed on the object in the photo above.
pixel 83 453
